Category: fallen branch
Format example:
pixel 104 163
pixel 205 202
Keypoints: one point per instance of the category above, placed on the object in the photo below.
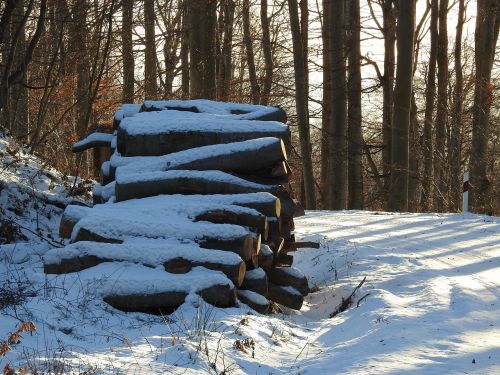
pixel 347 302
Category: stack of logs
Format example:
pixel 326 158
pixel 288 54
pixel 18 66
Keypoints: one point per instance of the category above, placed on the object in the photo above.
pixel 191 184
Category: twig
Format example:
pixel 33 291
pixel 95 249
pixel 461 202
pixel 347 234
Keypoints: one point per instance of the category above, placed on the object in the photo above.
pixel 347 302
pixel 361 299
pixel 55 244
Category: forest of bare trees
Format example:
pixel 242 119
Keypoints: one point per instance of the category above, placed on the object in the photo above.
pixel 389 101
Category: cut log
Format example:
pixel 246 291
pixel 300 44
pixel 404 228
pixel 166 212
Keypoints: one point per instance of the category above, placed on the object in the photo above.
pixel 256 281
pixel 258 222
pixel 264 155
pixel 71 215
pixel 254 300
pixel 291 276
pixel 291 207
pixel 266 257
pixel 275 224
pixel 105 177
pixel 234 110
pixel 149 184
pixel 286 296
pixel 175 257
pixel 155 303
pixel 303 245
pixel 93 140
pixel 283 259
pixel 246 246
pixel 171 136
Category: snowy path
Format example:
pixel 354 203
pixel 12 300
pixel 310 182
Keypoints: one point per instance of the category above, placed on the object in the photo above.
pixel 433 308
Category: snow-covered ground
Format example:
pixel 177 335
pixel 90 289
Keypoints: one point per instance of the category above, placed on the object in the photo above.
pixel 429 305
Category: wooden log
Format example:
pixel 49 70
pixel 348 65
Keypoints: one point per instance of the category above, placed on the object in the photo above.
pixel 105 177
pixel 166 302
pixel 184 139
pixel 291 207
pixel 253 262
pixel 71 215
pixel 222 216
pixel 155 303
pixel 189 183
pixel 275 224
pixel 289 276
pixel 267 154
pixel 256 281
pixel 254 300
pixel 175 258
pixel 266 257
pixel 93 140
pixel 246 246
pixel 283 259
pixel 250 112
pixel 286 296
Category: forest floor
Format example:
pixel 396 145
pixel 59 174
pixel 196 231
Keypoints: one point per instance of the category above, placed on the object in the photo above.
pixel 430 303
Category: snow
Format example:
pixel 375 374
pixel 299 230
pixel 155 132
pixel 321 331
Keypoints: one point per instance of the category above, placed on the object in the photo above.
pixel 209 176
pixel 147 252
pixel 254 297
pixel 255 274
pixel 167 121
pixel 127 110
pixel 219 108
pixel 430 303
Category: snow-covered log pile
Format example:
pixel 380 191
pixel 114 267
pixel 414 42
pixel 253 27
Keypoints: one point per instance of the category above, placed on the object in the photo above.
pixel 198 189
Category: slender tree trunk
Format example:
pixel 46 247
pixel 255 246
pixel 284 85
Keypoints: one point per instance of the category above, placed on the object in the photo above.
pixel 301 105
pixel 337 147
pixel 413 178
pixel 202 15
pixel 455 149
pixel 268 56
pixel 398 197
pixel 80 10
pixel 327 101
pixel 430 97
pixel 441 196
pixel 389 31
pixel 247 37
pixel 354 129
pixel 127 51
pixel 150 74
pixel 185 51
pixel 485 42
pixel 225 64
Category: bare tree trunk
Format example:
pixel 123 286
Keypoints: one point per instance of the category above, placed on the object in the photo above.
pixel 150 74
pixel 185 51
pixel 455 148
pixel 389 31
pixel 485 41
pixel 225 63
pixel 430 97
pixel 441 196
pixel 202 16
pixel 268 56
pixel 354 129
pixel 247 37
pixel 127 51
pixel 398 196
pixel 80 44
pixel 301 105
pixel 413 178
pixel 337 147
pixel 327 100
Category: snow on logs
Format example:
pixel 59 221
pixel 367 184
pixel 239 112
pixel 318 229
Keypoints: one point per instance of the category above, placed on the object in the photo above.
pixel 197 202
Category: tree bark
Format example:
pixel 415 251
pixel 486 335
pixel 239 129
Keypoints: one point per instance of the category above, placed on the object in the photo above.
pixel 150 74
pixel 398 197
pixel 301 106
pixel 455 147
pixel 430 97
pixel 225 64
pixel 268 56
pixel 337 147
pixel 128 51
pixel 326 103
pixel 354 118
pixel 202 16
pixel 486 36
pixel 247 39
pixel 441 195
